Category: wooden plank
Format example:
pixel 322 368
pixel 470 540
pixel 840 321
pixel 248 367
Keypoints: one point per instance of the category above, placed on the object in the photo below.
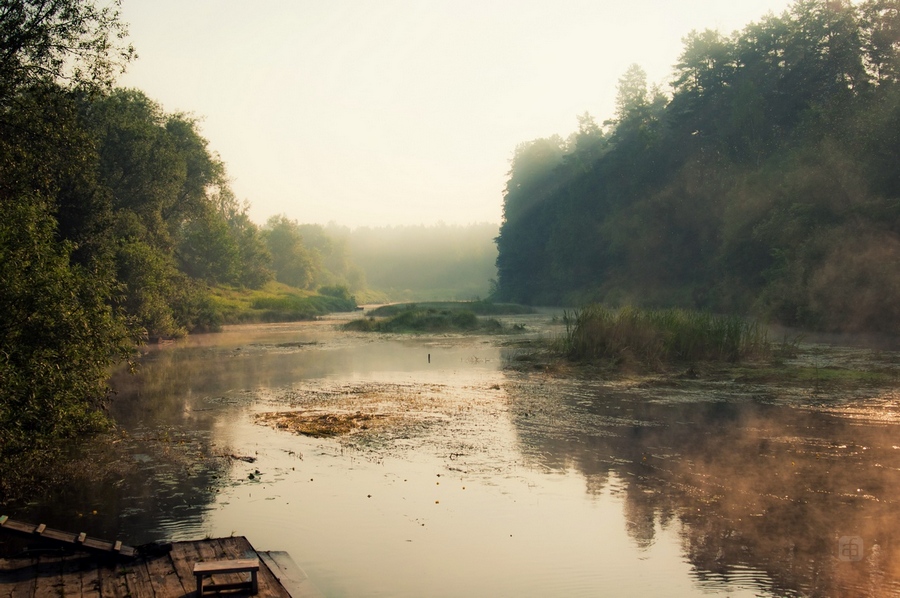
pixel 184 555
pixel 98 545
pixel 289 574
pixel 164 580
pixel 137 578
pixel 112 582
pixel 24 589
pixel 56 535
pixel 71 574
pixel 3 519
pixel 19 526
pixel 236 547
pixel 90 582
pixel 68 539
pixel 48 575
pixel 18 578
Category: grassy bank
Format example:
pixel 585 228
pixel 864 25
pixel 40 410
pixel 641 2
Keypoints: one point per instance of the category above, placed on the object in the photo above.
pixel 436 317
pixel 277 302
pixel 654 337
pixel 479 308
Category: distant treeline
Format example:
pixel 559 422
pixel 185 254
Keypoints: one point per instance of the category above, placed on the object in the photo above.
pixel 425 262
pixel 765 181
pixel 391 263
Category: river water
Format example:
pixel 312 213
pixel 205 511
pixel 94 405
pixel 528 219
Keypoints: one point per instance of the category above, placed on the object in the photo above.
pixel 478 480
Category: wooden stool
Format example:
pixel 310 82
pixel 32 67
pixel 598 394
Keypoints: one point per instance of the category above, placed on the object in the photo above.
pixel 201 570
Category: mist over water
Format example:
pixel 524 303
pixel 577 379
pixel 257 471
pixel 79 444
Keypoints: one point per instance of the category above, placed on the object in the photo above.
pixel 486 482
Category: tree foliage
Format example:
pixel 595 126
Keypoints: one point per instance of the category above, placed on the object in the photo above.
pixel 765 182
pixel 116 218
pixel 68 41
pixel 61 330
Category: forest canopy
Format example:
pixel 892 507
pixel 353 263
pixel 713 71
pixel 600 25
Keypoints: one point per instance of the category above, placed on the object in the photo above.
pixel 763 181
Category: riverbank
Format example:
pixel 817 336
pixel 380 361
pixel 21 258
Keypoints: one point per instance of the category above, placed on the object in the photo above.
pixel 277 302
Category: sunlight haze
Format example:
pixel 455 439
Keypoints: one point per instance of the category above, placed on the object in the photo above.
pixel 398 111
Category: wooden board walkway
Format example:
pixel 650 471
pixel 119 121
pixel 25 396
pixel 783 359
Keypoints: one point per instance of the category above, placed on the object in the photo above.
pixel 168 574
pixel 80 541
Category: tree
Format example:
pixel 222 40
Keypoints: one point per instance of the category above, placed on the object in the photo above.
pixel 587 144
pixel 632 95
pixel 60 41
pixel 255 259
pixel 294 264
pixel 58 336
pixel 881 37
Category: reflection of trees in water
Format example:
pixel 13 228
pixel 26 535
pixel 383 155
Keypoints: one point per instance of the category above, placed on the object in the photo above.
pixel 756 486
pixel 136 489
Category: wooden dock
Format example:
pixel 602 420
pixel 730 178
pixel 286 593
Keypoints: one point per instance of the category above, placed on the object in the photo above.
pixel 157 573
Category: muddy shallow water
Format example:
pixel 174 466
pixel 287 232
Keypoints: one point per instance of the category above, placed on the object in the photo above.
pixel 461 477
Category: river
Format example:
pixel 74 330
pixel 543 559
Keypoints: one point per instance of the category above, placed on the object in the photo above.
pixel 474 479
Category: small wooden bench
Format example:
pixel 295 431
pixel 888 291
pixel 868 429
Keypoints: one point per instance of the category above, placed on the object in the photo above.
pixel 204 569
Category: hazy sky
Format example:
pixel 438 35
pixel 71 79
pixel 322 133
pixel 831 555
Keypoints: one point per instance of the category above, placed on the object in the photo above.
pixel 376 112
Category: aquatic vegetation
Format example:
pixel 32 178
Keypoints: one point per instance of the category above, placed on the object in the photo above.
pixel 659 336
pixel 480 308
pixel 415 319
pixel 319 425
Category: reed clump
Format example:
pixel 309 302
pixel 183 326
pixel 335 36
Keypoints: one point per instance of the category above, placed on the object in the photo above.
pixel 597 333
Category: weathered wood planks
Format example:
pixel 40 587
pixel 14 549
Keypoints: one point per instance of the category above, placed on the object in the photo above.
pixel 165 574
pixel 65 539
pixel 292 577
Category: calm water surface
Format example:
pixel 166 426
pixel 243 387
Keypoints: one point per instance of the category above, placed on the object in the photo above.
pixel 494 483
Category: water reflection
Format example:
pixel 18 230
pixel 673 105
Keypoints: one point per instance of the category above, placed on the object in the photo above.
pixel 765 487
pixel 533 486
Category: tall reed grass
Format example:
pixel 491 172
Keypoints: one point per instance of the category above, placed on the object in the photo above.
pixel 659 336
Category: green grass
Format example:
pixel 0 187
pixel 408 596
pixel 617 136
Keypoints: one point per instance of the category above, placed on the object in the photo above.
pixel 277 302
pixel 426 320
pixel 480 308
pixel 654 337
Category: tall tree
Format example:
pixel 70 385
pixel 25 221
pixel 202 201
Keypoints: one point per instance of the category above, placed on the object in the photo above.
pixel 631 94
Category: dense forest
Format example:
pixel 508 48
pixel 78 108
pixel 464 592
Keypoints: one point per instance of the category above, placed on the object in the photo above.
pixel 764 181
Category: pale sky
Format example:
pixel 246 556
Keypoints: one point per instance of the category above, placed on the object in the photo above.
pixel 389 112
